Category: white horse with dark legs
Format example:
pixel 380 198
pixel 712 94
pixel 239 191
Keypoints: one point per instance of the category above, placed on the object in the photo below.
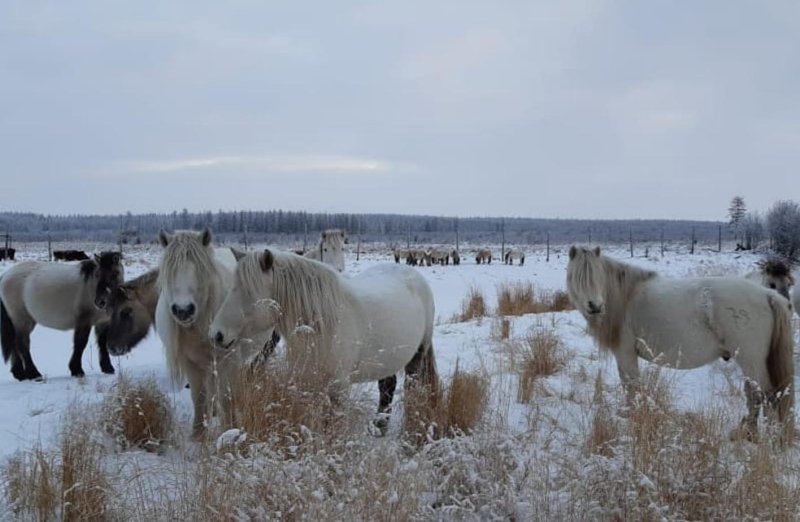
pixel 60 296
pixel 775 274
pixel 483 255
pixel 364 328
pixel 193 278
pixel 688 323
pixel 439 256
pixel 515 253
pixel 330 249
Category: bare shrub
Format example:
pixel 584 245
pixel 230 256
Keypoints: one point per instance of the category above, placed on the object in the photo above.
pixel 448 411
pixel 473 306
pixel 604 430
pixel 68 483
pixel 516 298
pixel 540 354
pixel 278 405
pixel 500 329
pixel 521 298
pixel 138 414
pixel 30 483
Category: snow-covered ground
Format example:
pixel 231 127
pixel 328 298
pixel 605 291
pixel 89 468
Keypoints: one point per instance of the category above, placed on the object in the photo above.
pixel 32 412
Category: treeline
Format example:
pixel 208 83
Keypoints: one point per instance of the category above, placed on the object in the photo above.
pixel 290 226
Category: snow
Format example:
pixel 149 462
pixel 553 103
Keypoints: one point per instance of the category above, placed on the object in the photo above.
pixel 32 412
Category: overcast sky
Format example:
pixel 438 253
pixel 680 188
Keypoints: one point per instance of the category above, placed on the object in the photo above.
pixel 585 109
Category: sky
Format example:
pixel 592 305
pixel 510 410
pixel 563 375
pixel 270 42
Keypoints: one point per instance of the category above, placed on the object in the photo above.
pixel 585 108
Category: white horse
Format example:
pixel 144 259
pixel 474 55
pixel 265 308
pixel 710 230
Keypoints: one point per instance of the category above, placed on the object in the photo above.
pixel 515 253
pixel 483 255
pixel 775 274
pixel 400 253
pixel 61 296
pixel 330 249
pixel 364 328
pixel 439 256
pixel 688 323
pixel 193 278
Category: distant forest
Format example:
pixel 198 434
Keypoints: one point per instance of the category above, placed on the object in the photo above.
pixel 283 227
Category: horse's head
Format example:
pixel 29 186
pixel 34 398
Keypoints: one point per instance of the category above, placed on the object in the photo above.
pixel 332 248
pixel 586 280
pixel 248 311
pixel 185 273
pixel 129 320
pixel 777 275
pixel 108 273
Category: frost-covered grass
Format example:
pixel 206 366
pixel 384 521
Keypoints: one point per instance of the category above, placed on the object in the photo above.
pixel 569 448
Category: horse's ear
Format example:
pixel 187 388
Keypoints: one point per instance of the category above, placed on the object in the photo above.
pixel 237 254
pixel 573 252
pixel 116 258
pixel 97 258
pixel 266 259
pixel 205 236
pixel 597 251
pixel 164 238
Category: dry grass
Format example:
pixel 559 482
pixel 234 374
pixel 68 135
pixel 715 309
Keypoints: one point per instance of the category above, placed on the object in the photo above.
pixel 137 414
pixel 520 298
pixel 472 307
pixel 448 411
pixel 68 483
pixel 284 408
pixel 540 354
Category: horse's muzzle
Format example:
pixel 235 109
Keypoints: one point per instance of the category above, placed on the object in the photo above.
pixel 219 341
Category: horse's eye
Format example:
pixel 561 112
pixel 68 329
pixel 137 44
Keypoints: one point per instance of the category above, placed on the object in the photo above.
pixel 126 313
pixel 772 285
pixel 325 249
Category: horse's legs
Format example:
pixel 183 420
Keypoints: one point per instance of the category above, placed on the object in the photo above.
pixel 24 353
pixel 755 397
pixel 101 334
pixel 628 368
pixel 79 339
pixel 386 389
pixel 197 385
pixel 17 367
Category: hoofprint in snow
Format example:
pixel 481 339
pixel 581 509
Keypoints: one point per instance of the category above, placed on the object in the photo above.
pixel 32 412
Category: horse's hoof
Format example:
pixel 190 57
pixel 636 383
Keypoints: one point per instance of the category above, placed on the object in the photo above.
pixel 109 370
pixel 78 374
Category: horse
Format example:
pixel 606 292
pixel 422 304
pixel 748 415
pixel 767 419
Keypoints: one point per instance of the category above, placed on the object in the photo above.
pixel 775 274
pixel 7 253
pixel 483 255
pixel 456 257
pixel 400 253
pixel 418 257
pixel 439 256
pixel 514 253
pixel 193 278
pixel 69 255
pixel 363 328
pixel 64 297
pixel 688 323
pixel 330 249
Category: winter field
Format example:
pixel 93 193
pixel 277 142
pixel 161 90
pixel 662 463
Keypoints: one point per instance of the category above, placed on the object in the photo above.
pixel 552 440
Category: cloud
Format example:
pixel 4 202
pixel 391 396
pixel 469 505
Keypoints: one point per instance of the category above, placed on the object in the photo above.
pixel 261 163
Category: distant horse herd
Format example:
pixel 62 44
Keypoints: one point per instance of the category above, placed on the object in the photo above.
pixel 218 309
pixel 446 255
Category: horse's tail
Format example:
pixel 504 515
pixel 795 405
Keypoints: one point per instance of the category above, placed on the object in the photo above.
pixel 7 333
pixel 780 364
